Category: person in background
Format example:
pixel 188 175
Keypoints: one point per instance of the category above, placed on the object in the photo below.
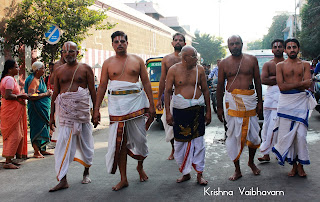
pixel 214 73
pixel 178 42
pixel 38 110
pixel 270 104
pixel 48 78
pixel 317 68
pixel 13 116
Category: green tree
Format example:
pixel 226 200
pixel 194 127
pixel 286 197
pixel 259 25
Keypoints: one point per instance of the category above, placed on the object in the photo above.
pixel 275 30
pixel 255 45
pixel 310 32
pixel 210 47
pixel 27 22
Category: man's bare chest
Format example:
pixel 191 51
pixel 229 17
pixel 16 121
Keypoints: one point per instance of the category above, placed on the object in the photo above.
pixel 77 77
pixel 116 70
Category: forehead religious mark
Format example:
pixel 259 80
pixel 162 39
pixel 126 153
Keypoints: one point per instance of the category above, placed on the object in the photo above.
pixel 277 44
pixel 119 38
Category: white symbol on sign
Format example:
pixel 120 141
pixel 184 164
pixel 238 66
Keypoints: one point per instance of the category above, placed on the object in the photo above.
pixel 53 35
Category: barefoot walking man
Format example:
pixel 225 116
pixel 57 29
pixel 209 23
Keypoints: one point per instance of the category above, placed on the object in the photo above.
pixel 73 86
pixel 56 66
pixel 293 78
pixel 127 105
pixel 191 111
pixel 270 104
pixel 169 60
pixel 240 105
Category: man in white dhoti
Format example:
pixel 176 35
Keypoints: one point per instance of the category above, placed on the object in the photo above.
pixel 178 42
pixel 190 101
pixel 268 77
pixel 293 78
pixel 127 104
pixel 73 87
pixel 241 107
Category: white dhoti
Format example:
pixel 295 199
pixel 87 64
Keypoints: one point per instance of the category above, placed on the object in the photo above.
pixel 127 104
pixel 167 128
pixel 270 105
pixel 291 126
pixel 192 152
pixel 242 121
pixel 75 141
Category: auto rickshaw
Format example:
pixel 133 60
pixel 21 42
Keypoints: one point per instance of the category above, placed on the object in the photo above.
pixel 154 70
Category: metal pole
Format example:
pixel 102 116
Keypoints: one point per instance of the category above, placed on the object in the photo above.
pixel 295 19
pixel 219 15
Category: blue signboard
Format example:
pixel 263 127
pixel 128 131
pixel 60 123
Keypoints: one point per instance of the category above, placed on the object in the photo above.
pixel 53 35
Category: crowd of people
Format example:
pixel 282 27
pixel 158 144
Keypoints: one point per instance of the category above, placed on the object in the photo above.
pixel 60 103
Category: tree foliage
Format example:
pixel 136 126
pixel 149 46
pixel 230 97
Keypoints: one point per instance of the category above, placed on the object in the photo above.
pixel 210 47
pixel 310 32
pixel 255 45
pixel 27 22
pixel 275 30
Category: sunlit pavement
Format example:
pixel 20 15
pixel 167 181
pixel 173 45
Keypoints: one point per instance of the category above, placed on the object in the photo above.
pixel 35 177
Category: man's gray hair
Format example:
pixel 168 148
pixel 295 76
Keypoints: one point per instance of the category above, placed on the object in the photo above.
pixel 186 48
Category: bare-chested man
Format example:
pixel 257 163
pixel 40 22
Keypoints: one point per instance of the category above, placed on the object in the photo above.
pixel 127 104
pixel 240 106
pixel 169 60
pixel 73 87
pixel 56 66
pixel 270 104
pixel 191 112
pixel 293 78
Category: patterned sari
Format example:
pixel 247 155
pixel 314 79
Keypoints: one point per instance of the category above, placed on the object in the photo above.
pixel 39 113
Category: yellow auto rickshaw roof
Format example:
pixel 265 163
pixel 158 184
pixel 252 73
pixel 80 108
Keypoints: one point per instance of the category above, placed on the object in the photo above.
pixel 157 59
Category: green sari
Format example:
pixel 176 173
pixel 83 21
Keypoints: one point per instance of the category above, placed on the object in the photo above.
pixel 39 113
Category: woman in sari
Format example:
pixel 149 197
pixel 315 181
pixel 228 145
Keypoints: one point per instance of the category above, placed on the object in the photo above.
pixel 38 110
pixel 13 116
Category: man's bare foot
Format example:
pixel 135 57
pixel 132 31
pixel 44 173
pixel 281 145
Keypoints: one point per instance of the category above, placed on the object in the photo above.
pixel 184 178
pixel 255 170
pixel 10 166
pixel 142 174
pixel 86 179
pixel 301 172
pixel 120 185
pixel 46 153
pixel 61 185
pixel 171 157
pixel 294 171
pixel 201 180
pixel 235 176
pixel 264 158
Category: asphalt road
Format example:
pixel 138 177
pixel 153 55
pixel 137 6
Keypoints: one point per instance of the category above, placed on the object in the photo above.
pixel 36 176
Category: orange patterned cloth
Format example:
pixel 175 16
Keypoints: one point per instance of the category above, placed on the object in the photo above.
pixel 13 124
